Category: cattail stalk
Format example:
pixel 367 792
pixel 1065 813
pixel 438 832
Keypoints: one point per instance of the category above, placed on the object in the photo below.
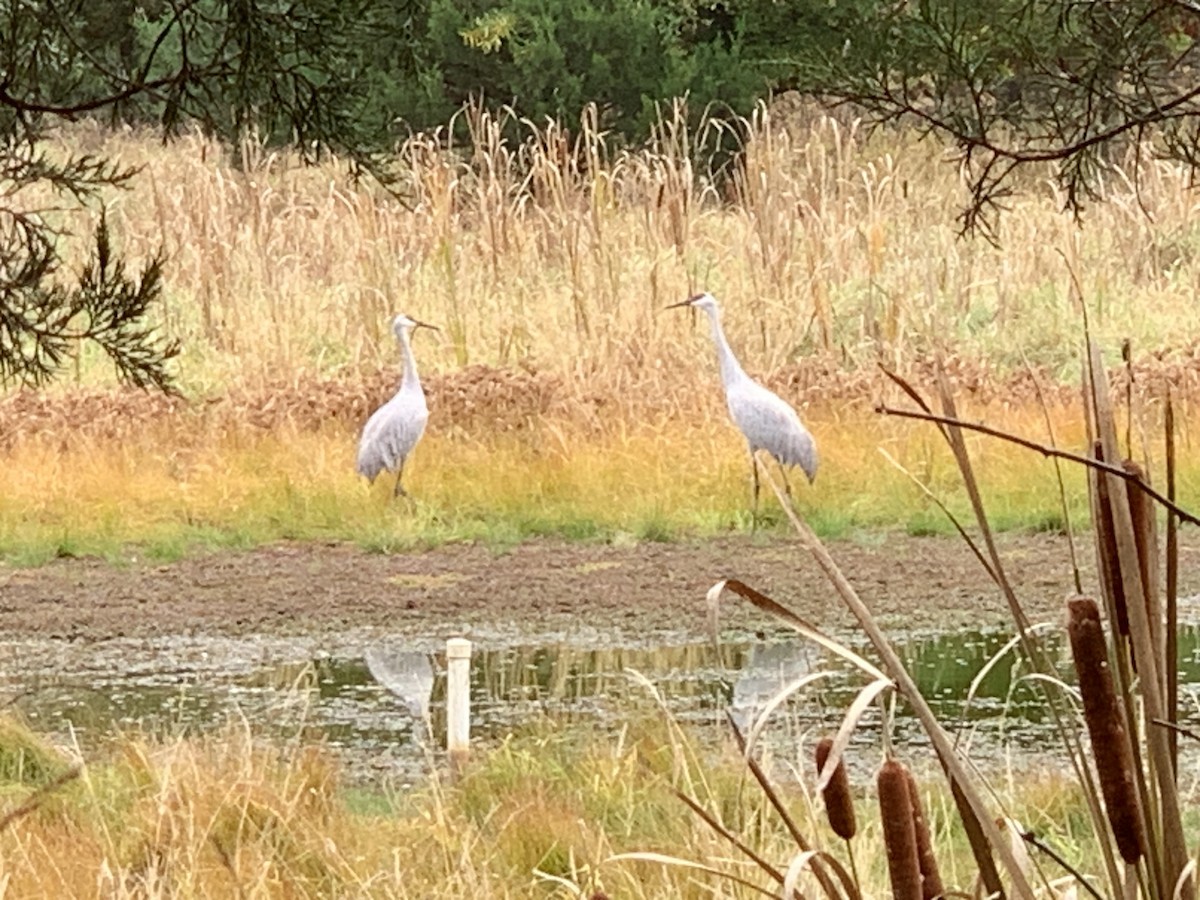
pixel 899 831
pixel 931 878
pixel 1172 587
pixel 1106 549
pixel 839 804
pixel 1145 536
pixel 1110 742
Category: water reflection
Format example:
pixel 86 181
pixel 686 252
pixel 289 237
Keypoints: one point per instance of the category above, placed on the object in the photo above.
pixel 372 701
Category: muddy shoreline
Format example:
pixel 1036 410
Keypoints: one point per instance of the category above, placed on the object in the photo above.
pixel 540 585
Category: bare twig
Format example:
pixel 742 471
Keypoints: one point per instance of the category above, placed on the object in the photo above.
pixel 1045 450
pixel 1177 729
pixel 35 799
pixel 1037 843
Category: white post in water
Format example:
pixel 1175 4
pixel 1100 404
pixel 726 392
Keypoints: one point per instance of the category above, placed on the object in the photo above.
pixel 458 700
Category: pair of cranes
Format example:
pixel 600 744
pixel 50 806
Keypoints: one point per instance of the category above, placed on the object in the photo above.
pixel 765 420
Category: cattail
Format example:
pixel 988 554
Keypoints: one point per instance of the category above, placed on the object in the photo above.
pixel 1110 743
pixel 931 878
pixel 899 831
pixel 839 804
pixel 1142 515
pixel 1106 541
pixel 1145 536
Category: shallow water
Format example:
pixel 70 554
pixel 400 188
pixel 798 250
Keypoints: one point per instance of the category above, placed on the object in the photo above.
pixel 336 688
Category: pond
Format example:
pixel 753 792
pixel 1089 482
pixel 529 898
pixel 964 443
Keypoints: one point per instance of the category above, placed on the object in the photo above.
pixel 370 695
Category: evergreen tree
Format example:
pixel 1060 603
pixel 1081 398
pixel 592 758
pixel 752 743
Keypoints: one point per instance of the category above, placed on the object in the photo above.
pixel 296 71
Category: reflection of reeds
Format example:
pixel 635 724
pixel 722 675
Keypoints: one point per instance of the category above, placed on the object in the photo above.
pixel 567 672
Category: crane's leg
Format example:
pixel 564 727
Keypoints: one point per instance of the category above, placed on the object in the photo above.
pixel 787 485
pixel 399 490
pixel 754 482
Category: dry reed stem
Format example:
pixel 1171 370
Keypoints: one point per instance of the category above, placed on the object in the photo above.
pixel 1172 586
pixel 899 832
pixel 1106 551
pixel 952 428
pixel 839 801
pixel 931 878
pixel 1102 713
pixel 1145 533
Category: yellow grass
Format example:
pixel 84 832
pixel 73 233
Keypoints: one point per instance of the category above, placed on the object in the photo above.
pixel 681 478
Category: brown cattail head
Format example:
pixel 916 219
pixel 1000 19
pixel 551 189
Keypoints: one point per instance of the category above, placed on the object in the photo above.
pixel 839 804
pixel 899 831
pixel 1110 743
pixel 931 878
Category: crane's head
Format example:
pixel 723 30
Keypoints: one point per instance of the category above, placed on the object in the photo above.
pixel 705 301
pixel 403 324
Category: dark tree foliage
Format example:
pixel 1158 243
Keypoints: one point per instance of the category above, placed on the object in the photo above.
pixel 551 58
pixel 1017 82
pixel 294 70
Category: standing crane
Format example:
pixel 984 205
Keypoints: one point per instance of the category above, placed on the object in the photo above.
pixel 394 429
pixel 767 421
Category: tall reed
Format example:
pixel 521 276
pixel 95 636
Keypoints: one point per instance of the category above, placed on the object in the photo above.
pixel 549 245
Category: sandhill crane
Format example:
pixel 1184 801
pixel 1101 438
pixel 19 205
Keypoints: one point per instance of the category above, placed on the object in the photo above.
pixel 767 422
pixel 394 429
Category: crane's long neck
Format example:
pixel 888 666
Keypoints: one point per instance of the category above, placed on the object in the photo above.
pixel 731 369
pixel 412 381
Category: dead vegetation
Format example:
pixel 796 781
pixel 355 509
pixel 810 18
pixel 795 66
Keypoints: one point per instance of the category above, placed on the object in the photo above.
pixel 480 400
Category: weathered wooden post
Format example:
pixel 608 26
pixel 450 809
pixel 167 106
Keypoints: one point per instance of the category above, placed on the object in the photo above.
pixel 458 700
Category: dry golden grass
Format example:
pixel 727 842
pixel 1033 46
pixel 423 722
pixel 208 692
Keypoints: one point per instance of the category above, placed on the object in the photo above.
pixel 559 250
pixel 228 816
pixel 547 260
pixel 165 487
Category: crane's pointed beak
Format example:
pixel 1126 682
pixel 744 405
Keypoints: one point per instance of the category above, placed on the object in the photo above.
pixel 687 302
pixel 417 324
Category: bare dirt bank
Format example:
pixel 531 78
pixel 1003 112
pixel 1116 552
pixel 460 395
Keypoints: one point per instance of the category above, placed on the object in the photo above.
pixel 541 585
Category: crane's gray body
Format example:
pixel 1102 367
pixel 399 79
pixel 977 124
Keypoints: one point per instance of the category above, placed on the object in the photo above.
pixel 765 419
pixel 770 424
pixel 392 432
pixel 395 428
